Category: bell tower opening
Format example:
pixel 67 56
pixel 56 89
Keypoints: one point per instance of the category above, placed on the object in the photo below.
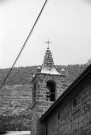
pixel 51 85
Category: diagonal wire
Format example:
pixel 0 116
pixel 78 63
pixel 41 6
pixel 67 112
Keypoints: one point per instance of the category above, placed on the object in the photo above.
pixel 31 31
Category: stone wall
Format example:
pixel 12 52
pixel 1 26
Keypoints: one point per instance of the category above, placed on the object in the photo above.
pixel 73 115
pixel 36 127
pixel 41 80
pixel 40 102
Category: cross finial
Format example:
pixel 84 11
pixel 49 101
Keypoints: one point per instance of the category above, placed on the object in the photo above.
pixel 48 42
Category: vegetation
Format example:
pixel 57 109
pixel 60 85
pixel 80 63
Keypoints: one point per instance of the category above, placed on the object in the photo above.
pixel 23 75
pixel 20 75
pixel 15 123
pixel 15 108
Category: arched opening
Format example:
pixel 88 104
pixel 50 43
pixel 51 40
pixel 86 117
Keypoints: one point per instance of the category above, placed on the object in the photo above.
pixel 51 85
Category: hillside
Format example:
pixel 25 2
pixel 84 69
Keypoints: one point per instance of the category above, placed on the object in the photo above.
pixel 20 75
pixel 23 75
pixel 15 107
pixel 16 96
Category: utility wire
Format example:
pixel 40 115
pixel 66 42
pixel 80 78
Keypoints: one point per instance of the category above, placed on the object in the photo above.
pixel 32 29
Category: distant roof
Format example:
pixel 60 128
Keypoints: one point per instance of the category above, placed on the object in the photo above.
pixel 66 92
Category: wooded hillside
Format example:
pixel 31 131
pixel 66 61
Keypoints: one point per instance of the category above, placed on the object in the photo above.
pixel 23 75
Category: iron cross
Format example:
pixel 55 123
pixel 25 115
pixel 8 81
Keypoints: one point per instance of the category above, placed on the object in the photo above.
pixel 48 42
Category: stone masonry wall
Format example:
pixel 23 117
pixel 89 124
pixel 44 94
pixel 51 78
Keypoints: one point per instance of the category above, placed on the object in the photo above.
pixel 40 103
pixel 73 115
pixel 36 127
pixel 41 90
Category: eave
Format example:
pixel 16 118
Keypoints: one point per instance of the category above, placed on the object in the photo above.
pixel 65 93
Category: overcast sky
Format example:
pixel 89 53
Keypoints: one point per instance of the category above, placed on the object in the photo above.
pixel 66 23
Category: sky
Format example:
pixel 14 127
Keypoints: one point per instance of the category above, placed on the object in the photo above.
pixel 66 23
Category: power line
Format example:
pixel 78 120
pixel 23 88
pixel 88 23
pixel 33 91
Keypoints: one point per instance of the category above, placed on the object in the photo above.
pixel 32 29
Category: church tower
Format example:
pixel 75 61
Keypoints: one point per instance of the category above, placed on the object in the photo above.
pixel 48 85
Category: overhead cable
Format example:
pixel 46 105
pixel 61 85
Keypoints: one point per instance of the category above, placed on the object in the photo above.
pixel 31 31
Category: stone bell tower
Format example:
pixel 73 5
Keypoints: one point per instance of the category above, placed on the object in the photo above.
pixel 48 85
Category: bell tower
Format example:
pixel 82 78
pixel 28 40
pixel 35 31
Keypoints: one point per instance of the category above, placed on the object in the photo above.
pixel 47 87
